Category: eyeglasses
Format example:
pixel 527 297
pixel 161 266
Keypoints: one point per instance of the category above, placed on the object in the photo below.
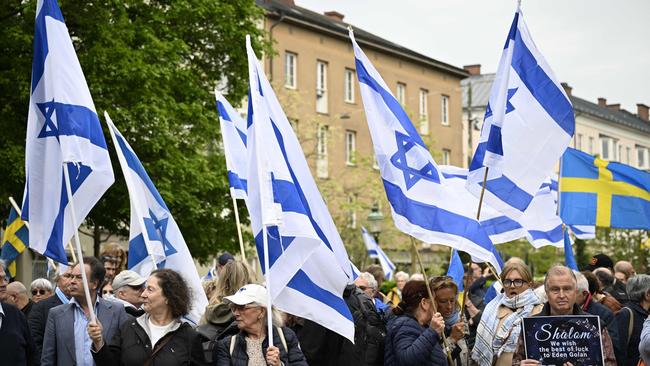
pixel 38 292
pixel 107 292
pixel 4 278
pixel 516 283
pixel 240 308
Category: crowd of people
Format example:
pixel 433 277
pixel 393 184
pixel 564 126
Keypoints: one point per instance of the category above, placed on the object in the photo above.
pixel 141 321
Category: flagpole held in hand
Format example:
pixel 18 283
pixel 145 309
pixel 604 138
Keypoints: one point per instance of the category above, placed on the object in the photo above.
pixel 267 278
pixel 431 298
pixel 239 236
pixel 78 243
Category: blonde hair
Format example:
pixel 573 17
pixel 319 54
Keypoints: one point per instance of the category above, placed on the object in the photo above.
pixel 234 275
pixel 520 267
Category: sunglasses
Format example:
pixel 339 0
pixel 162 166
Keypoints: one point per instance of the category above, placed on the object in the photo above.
pixel 38 292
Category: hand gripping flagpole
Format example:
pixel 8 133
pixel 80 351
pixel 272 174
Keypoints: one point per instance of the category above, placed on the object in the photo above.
pixel 431 298
pixel 82 268
pixel 19 212
pixel 239 236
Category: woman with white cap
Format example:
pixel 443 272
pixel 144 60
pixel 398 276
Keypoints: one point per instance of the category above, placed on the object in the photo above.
pixel 250 347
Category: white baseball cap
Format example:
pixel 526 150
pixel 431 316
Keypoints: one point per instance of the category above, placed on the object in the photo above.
pixel 248 294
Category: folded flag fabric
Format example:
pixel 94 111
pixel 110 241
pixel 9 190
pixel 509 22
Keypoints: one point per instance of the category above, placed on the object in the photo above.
pixel 456 270
pixel 155 241
pixel 63 132
pixel 528 124
pixel 421 205
pixel 233 135
pixel 308 264
pixel 602 193
pixel 374 251
pixel 14 242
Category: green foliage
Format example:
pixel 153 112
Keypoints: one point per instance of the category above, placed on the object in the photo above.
pixel 386 286
pixel 152 65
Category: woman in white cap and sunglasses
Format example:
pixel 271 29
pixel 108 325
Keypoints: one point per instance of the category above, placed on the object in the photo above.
pixel 250 347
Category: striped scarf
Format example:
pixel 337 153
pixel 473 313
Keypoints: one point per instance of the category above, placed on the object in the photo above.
pixel 492 342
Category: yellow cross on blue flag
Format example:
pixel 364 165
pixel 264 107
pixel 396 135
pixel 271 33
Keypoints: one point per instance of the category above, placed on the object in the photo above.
pixel 14 242
pixel 602 193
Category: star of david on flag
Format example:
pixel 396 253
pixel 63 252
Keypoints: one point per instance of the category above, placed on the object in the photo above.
pixel 62 128
pixel 155 241
pixel 527 126
pixel 421 203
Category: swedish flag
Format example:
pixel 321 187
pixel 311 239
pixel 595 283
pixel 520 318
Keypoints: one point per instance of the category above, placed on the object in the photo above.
pixel 606 194
pixel 14 242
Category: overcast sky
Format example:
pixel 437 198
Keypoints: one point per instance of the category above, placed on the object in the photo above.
pixel 601 48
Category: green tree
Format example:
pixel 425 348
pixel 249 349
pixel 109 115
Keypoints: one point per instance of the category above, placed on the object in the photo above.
pixel 152 65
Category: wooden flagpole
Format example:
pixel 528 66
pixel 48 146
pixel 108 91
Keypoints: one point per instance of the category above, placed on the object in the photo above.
pixel 239 235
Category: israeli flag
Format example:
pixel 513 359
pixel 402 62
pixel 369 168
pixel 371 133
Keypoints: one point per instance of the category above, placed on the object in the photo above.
pixel 155 240
pixel 528 124
pixel 539 224
pixel 308 264
pixel 421 204
pixel 584 232
pixel 62 128
pixel 374 251
pixel 233 134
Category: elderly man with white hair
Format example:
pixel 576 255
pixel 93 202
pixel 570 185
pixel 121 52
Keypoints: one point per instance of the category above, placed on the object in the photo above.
pixel 367 283
pixel 561 288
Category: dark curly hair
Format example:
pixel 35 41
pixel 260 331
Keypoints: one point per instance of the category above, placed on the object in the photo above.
pixel 175 290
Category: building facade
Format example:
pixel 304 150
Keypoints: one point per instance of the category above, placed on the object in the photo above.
pixel 313 74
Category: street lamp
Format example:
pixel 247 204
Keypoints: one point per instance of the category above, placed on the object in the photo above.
pixel 375 218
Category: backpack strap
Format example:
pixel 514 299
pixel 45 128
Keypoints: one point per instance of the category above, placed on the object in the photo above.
pixel 233 340
pixel 282 339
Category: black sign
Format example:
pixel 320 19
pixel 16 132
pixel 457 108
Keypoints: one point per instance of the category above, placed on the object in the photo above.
pixel 555 340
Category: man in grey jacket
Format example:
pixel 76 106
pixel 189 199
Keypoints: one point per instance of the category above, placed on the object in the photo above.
pixel 66 340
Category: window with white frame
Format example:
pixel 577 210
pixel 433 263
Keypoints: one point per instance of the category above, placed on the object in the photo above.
pixel 321 87
pixel 400 93
pixel 578 141
pixel 322 166
pixel 290 70
pixel 444 110
pixel 348 93
pixel 642 157
pixel 350 147
pixel 608 148
pixel 424 111
pixel 446 157
pixel 352 212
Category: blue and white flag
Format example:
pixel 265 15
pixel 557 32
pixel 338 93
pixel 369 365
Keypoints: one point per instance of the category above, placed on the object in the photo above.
pixel 420 203
pixel 456 270
pixel 584 232
pixel 569 259
pixel 374 251
pixel 528 124
pixel 211 275
pixel 233 134
pixel 539 224
pixel 155 240
pixel 303 243
pixel 62 127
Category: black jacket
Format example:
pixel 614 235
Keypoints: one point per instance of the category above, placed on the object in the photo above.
pixel 131 346
pixel 38 319
pixel 322 346
pixel 607 320
pixel 629 354
pixel 291 357
pixel 16 345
